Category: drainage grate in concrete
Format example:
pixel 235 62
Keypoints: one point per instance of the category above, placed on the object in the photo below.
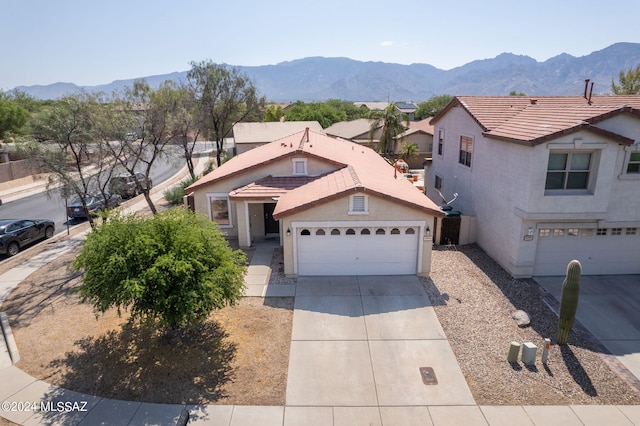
pixel 428 376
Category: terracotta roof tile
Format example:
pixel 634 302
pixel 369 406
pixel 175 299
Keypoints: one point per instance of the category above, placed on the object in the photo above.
pixel 358 168
pixel 270 186
pixel 532 119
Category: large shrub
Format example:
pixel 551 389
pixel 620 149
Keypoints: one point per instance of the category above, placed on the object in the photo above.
pixel 174 267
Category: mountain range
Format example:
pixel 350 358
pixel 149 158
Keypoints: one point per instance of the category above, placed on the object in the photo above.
pixel 319 78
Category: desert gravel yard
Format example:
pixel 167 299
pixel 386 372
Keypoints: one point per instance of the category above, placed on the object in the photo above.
pixel 474 299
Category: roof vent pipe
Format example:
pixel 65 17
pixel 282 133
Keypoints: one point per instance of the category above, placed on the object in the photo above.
pixel 590 92
pixel 586 86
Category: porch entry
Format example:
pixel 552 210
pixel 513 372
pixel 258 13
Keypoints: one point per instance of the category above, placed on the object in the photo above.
pixel 271 226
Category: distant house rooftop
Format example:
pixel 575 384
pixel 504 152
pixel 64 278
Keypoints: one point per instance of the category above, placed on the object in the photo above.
pixel 251 133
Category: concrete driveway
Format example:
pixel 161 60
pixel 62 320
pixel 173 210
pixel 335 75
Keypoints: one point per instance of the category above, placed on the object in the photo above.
pixel 361 341
pixel 609 307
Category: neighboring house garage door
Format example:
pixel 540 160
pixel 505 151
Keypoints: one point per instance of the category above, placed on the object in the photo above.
pixel 372 250
pixel 600 251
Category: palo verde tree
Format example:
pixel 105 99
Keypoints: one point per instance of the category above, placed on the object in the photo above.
pixel 223 98
pixel 391 123
pixel 629 82
pixel 76 162
pixel 175 267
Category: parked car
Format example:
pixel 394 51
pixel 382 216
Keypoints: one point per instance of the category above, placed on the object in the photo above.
pixel 17 233
pixel 95 204
pixel 129 186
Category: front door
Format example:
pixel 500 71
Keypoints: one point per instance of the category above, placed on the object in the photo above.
pixel 271 226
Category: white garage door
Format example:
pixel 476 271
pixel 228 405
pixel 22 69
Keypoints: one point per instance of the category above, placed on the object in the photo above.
pixel 357 250
pixel 600 251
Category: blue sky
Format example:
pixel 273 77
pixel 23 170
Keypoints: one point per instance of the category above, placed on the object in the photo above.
pixel 91 42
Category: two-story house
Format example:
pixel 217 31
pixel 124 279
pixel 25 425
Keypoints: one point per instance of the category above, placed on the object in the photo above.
pixel 336 207
pixel 544 179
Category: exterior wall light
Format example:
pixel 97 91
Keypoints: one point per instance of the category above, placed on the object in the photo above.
pixel 288 232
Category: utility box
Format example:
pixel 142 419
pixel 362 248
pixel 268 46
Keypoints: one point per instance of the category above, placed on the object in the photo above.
pixel 529 353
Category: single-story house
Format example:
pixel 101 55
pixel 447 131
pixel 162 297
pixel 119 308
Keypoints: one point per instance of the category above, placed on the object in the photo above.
pixel 421 134
pixel 250 135
pixel 543 180
pixel 336 207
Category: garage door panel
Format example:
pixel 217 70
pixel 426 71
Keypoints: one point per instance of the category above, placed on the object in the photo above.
pixel 599 255
pixel 357 254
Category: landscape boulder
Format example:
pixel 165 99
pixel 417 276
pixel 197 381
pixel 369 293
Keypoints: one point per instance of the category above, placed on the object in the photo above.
pixel 522 318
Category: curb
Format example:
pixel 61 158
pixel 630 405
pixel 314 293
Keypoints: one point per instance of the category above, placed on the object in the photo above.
pixel 9 339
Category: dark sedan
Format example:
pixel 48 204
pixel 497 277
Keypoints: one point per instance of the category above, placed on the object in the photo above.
pixel 17 233
pixel 95 204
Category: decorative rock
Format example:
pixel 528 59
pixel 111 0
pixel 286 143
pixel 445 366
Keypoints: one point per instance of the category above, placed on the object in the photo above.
pixel 522 318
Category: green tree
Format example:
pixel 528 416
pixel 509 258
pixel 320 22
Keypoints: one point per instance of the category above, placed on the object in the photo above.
pixel 432 106
pixel 175 267
pixel 223 97
pixel 408 151
pixel 273 113
pixel 629 82
pixel 157 118
pixel 392 122
pixel 353 112
pixel 515 93
pixel 12 117
pixel 75 162
pixel 321 112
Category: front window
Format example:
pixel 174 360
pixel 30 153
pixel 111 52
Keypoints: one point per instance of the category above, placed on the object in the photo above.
pixel 568 170
pixel 220 210
pixel 466 150
pixel 634 163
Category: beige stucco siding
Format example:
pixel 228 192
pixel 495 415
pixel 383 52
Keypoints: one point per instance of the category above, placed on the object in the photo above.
pixel 380 210
pixel 282 167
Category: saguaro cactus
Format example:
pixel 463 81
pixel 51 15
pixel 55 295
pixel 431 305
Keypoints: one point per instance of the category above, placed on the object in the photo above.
pixel 569 301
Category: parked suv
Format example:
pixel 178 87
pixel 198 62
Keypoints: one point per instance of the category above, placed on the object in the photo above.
pixel 95 204
pixel 126 186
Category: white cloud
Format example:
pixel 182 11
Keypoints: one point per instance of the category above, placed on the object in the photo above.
pixel 386 43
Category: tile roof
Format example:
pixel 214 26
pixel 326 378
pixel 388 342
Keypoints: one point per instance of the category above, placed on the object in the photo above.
pixel 419 126
pixel 532 120
pixel 271 131
pixel 358 169
pixel 270 186
pixel 373 106
pixel 350 129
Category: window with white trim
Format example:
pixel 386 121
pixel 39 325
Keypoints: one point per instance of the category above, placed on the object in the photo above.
pixel 633 166
pixel 300 166
pixel 358 204
pixel 220 210
pixel 466 150
pixel 568 170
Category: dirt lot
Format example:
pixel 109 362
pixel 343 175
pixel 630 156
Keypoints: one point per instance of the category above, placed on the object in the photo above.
pixel 240 356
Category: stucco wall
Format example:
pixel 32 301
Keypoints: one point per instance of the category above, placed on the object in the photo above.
pixel 505 186
pixel 338 210
pixel 283 167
